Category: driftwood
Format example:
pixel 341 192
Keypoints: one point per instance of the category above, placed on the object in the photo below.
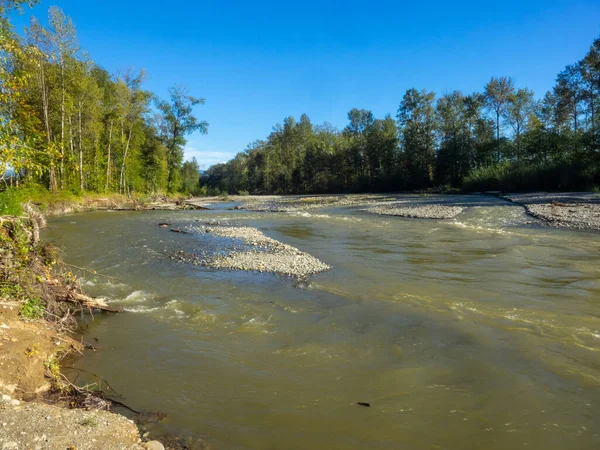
pixel 89 302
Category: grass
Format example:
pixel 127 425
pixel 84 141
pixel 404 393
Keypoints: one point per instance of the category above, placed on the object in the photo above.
pixel 89 422
pixel 10 203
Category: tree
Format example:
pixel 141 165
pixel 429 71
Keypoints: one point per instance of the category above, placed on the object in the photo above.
pixel 190 176
pixel 416 125
pixel 63 42
pixel 177 121
pixel 520 110
pixel 589 68
pixel 498 92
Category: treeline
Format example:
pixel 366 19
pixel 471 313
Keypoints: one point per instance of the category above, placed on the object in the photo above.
pixel 68 124
pixel 502 138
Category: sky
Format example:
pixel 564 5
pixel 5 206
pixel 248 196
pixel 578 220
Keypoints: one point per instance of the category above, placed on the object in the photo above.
pixel 258 62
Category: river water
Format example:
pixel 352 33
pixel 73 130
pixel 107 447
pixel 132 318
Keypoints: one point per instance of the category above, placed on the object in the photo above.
pixel 478 332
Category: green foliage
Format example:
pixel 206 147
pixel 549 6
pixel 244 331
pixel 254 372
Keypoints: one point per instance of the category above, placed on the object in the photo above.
pixel 10 203
pixel 32 309
pixel 562 175
pixel 190 177
pixel 10 289
pixel 52 365
pixel 70 126
pixel 177 121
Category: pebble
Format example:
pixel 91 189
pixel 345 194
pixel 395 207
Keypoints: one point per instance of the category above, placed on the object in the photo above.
pixel 153 445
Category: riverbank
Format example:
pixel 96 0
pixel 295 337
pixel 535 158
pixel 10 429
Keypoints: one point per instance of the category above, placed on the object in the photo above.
pixel 62 203
pixel 39 302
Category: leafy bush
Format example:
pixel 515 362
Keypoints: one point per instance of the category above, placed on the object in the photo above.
pixel 565 175
pixel 32 309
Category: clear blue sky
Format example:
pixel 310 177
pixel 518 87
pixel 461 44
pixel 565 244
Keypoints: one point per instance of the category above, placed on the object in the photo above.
pixel 257 62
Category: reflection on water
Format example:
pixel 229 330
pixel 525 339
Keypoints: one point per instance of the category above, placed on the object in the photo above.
pixel 477 332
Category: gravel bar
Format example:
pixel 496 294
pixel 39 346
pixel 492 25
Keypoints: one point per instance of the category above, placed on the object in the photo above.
pixel 306 203
pixel 418 212
pixel 260 253
pixel 564 210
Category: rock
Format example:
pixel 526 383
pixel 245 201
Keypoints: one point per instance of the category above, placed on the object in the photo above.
pixel 6 398
pixel 10 445
pixel 153 445
pixel 15 402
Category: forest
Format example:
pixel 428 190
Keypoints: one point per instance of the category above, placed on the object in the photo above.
pixel 503 138
pixel 66 124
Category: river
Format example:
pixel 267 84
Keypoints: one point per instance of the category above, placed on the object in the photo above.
pixel 481 331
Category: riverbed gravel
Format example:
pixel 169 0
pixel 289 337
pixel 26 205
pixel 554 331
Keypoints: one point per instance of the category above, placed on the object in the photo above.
pixel 258 253
pixel 40 426
pixel 564 210
pixel 307 203
pixel 432 211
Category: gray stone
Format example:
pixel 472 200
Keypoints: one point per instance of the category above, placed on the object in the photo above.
pixel 153 445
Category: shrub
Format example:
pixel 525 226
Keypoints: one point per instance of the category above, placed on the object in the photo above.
pixel 565 175
pixel 32 309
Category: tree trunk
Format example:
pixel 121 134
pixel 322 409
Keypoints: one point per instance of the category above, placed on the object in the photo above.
pixel 52 175
pixel 80 149
pixel 122 180
pixel 62 124
pixel 108 162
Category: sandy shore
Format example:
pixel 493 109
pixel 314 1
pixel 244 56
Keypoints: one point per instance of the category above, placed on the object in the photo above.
pixel 257 252
pixel 566 210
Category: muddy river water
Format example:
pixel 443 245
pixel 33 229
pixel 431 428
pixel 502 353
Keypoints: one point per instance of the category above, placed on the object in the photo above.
pixel 479 332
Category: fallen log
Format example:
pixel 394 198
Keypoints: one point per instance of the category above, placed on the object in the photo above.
pixel 89 302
